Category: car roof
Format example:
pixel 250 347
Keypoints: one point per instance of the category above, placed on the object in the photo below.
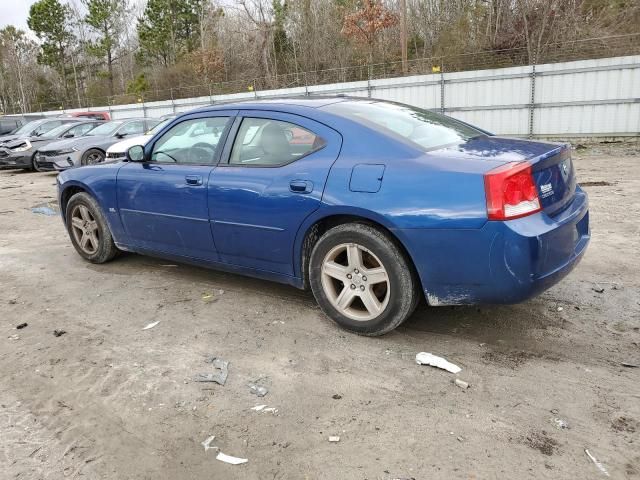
pixel 269 103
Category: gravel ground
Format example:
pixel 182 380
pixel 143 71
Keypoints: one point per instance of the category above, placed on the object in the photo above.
pixel 109 400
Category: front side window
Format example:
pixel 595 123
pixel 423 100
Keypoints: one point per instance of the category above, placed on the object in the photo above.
pixel 192 141
pixel 267 142
pixel 106 129
pixel 80 130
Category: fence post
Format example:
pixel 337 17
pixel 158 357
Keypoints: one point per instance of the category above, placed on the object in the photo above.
pixel 533 97
pixel 173 104
pixel 369 81
pixel 442 89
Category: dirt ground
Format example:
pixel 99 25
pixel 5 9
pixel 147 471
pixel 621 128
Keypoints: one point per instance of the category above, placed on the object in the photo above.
pixel 109 400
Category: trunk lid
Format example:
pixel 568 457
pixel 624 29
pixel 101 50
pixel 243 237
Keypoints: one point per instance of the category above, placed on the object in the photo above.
pixel 551 165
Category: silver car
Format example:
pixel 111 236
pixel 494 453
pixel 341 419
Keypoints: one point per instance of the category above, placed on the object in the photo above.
pixel 91 148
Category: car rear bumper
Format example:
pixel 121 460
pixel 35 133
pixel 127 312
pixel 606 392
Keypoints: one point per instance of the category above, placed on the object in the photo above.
pixel 503 262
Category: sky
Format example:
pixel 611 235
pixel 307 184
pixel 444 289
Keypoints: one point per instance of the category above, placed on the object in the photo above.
pixel 15 12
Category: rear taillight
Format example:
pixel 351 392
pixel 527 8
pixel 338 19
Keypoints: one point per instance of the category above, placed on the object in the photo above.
pixel 511 192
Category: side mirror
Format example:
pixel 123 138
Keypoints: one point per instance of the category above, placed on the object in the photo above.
pixel 135 153
pixel 68 135
pixel 119 135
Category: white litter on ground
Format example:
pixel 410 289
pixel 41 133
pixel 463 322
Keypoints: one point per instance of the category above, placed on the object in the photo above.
pixel 597 463
pixel 207 443
pixel 229 459
pixel 257 408
pixel 151 325
pixel 334 439
pixel 424 358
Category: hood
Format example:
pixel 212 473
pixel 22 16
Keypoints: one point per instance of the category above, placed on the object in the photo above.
pixel 62 144
pixel 7 138
pixel 124 145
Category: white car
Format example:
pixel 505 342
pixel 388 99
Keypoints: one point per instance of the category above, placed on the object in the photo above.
pixel 117 151
pixel 206 134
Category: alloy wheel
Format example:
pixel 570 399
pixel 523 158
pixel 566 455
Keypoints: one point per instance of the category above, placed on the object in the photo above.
pixel 355 281
pixel 85 229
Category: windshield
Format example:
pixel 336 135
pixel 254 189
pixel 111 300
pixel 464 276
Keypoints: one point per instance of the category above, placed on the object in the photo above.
pixel 158 127
pixel 27 127
pixel 59 130
pixel 106 129
pixel 426 129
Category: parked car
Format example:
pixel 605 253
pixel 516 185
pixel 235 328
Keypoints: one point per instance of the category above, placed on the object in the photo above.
pixel 93 115
pixel 118 151
pixel 21 152
pixel 9 123
pixel 36 128
pixel 90 149
pixel 383 204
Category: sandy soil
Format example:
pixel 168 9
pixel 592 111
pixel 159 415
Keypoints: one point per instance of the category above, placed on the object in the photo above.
pixel 108 400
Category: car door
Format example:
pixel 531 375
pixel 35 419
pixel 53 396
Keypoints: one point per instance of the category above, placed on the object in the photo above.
pixel 273 176
pixel 163 201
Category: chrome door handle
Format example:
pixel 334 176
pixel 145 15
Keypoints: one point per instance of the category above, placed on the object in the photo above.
pixel 193 179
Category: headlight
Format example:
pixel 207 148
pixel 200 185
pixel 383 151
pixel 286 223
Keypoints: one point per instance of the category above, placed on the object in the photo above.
pixel 23 148
pixel 67 151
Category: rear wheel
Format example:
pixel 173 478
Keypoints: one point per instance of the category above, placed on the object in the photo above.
pixel 92 156
pixel 362 280
pixel 88 229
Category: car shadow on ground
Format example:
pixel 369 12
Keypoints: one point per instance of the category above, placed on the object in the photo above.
pixel 503 326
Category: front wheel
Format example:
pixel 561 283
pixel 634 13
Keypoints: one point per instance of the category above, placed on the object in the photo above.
pixel 92 157
pixel 88 229
pixel 362 280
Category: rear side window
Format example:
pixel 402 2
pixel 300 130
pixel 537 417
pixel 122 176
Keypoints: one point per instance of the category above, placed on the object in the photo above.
pixel 269 143
pixel 425 129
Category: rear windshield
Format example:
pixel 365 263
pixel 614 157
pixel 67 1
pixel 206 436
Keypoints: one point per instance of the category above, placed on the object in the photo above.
pixel 427 130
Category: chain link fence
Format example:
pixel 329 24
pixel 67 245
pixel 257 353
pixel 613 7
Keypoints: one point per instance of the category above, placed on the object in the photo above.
pixel 592 48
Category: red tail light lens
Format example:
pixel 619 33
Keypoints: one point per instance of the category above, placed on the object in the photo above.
pixel 511 192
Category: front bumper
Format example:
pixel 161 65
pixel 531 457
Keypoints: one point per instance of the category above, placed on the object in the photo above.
pixel 47 162
pixel 9 159
pixel 502 262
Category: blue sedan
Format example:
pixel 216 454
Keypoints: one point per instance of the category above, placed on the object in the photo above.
pixel 370 204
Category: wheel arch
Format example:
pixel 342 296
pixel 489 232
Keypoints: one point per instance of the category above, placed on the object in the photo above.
pixel 69 191
pixel 314 228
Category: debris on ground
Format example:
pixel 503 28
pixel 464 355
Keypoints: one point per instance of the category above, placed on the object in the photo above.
pixel 59 333
pixel 264 408
pixel 13 301
pixel 219 376
pixel 334 438
pixel 14 337
pixel 424 358
pixel 598 289
pixel 48 211
pixel 207 297
pixel 336 396
pixel 561 424
pixel 596 463
pixel 258 390
pixel 207 443
pixel 229 459
pixel 560 309
pixel 151 325
pixel 630 365
pixel 461 383
pixel 21 326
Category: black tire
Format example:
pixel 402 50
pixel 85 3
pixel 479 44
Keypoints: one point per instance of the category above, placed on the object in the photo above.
pixel 92 156
pixel 106 249
pixel 402 283
pixel 32 164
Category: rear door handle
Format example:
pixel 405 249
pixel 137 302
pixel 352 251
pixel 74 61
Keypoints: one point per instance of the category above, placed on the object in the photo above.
pixel 193 179
pixel 301 186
